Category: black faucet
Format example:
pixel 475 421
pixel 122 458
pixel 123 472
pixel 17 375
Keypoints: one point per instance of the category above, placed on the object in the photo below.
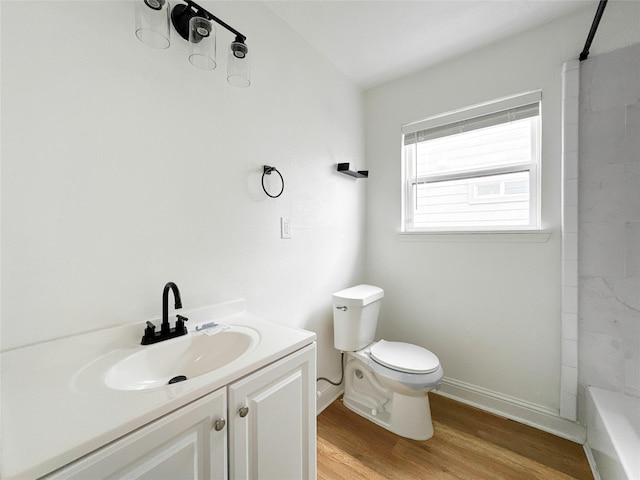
pixel 166 332
pixel 165 328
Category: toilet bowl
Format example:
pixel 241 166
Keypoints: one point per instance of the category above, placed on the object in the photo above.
pixel 385 382
pixel 404 367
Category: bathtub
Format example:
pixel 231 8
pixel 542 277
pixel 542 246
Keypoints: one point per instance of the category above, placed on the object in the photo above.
pixel 613 433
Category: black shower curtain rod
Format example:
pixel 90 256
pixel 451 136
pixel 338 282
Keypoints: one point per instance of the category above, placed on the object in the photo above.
pixel 592 31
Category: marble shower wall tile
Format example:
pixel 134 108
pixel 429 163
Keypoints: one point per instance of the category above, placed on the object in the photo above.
pixel 611 79
pixel 602 362
pixel 602 249
pixel 609 222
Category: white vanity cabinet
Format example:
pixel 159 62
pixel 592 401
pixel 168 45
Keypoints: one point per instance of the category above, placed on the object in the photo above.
pixel 263 424
pixel 190 443
pixel 272 421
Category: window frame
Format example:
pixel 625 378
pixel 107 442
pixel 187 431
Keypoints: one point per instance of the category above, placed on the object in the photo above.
pixel 459 116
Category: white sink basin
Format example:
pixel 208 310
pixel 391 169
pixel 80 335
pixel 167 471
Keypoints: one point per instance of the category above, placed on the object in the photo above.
pixel 191 355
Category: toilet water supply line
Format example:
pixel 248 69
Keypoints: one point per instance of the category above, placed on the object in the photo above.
pixel 341 378
pixel 378 403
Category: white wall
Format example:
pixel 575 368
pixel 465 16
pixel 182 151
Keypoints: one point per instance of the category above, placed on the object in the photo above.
pixel 609 233
pixel 489 309
pixel 124 167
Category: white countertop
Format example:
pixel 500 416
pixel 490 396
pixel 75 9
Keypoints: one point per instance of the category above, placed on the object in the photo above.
pixel 56 407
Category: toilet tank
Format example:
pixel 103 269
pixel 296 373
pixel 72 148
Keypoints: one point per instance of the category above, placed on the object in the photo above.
pixel 355 316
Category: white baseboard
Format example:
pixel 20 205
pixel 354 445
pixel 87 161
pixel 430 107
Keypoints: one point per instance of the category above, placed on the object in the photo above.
pixel 326 395
pixel 513 409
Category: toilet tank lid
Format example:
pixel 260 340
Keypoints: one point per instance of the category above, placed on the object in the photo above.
pixel 358 296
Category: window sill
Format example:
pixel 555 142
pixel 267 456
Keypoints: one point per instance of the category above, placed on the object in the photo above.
pixel 510 236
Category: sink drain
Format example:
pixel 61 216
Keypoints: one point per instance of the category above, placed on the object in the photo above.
pixel 176 379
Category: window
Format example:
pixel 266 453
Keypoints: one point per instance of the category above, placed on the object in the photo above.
pixel 475 169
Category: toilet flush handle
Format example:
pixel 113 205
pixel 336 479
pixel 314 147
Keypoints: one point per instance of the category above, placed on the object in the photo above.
pixel 344 309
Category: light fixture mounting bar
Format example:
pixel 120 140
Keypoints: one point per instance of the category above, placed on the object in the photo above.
pixel 209 16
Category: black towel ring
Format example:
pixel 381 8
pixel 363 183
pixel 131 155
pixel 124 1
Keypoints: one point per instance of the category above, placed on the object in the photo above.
pixel 267 171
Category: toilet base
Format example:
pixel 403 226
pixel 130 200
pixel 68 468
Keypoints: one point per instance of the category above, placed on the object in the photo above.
pixel 418 427
pixel 404 415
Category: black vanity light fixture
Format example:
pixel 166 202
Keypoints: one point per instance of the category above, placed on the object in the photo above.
pixel 196 25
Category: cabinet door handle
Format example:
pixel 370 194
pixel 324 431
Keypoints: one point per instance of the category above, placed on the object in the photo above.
pixel 244 411
pixel 219 424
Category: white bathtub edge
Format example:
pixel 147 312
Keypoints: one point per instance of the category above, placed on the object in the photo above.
pixel 613 439
pixel 592 461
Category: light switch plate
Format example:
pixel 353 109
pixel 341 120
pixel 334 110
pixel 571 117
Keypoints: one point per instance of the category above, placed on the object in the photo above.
pixel 285 228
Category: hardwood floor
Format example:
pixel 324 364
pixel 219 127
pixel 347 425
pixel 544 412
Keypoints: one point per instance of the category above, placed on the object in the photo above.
pixel 468 444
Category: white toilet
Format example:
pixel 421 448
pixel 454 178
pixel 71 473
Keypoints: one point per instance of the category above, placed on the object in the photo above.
pixel 386 382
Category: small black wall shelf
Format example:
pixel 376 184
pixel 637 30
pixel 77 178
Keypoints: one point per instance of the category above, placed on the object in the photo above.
pixel 344 168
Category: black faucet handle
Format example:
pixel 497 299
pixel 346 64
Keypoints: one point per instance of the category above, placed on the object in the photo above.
pixel 180 323
pixel 149 333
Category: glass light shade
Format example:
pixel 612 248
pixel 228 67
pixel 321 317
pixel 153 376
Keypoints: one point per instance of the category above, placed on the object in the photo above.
pixel 238 67
pixel 152 23
pixel 202 43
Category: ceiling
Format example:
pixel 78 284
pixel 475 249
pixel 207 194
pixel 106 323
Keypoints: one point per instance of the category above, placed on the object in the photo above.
pixel 373 41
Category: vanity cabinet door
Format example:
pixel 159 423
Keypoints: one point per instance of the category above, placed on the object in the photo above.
pixel 190 443
pixel 272 421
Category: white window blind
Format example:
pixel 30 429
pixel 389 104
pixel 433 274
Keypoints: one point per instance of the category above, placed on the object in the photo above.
pixel 475 169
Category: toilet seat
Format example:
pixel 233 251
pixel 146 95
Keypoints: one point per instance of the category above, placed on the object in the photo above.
pixel 404 357
pixel 414 381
